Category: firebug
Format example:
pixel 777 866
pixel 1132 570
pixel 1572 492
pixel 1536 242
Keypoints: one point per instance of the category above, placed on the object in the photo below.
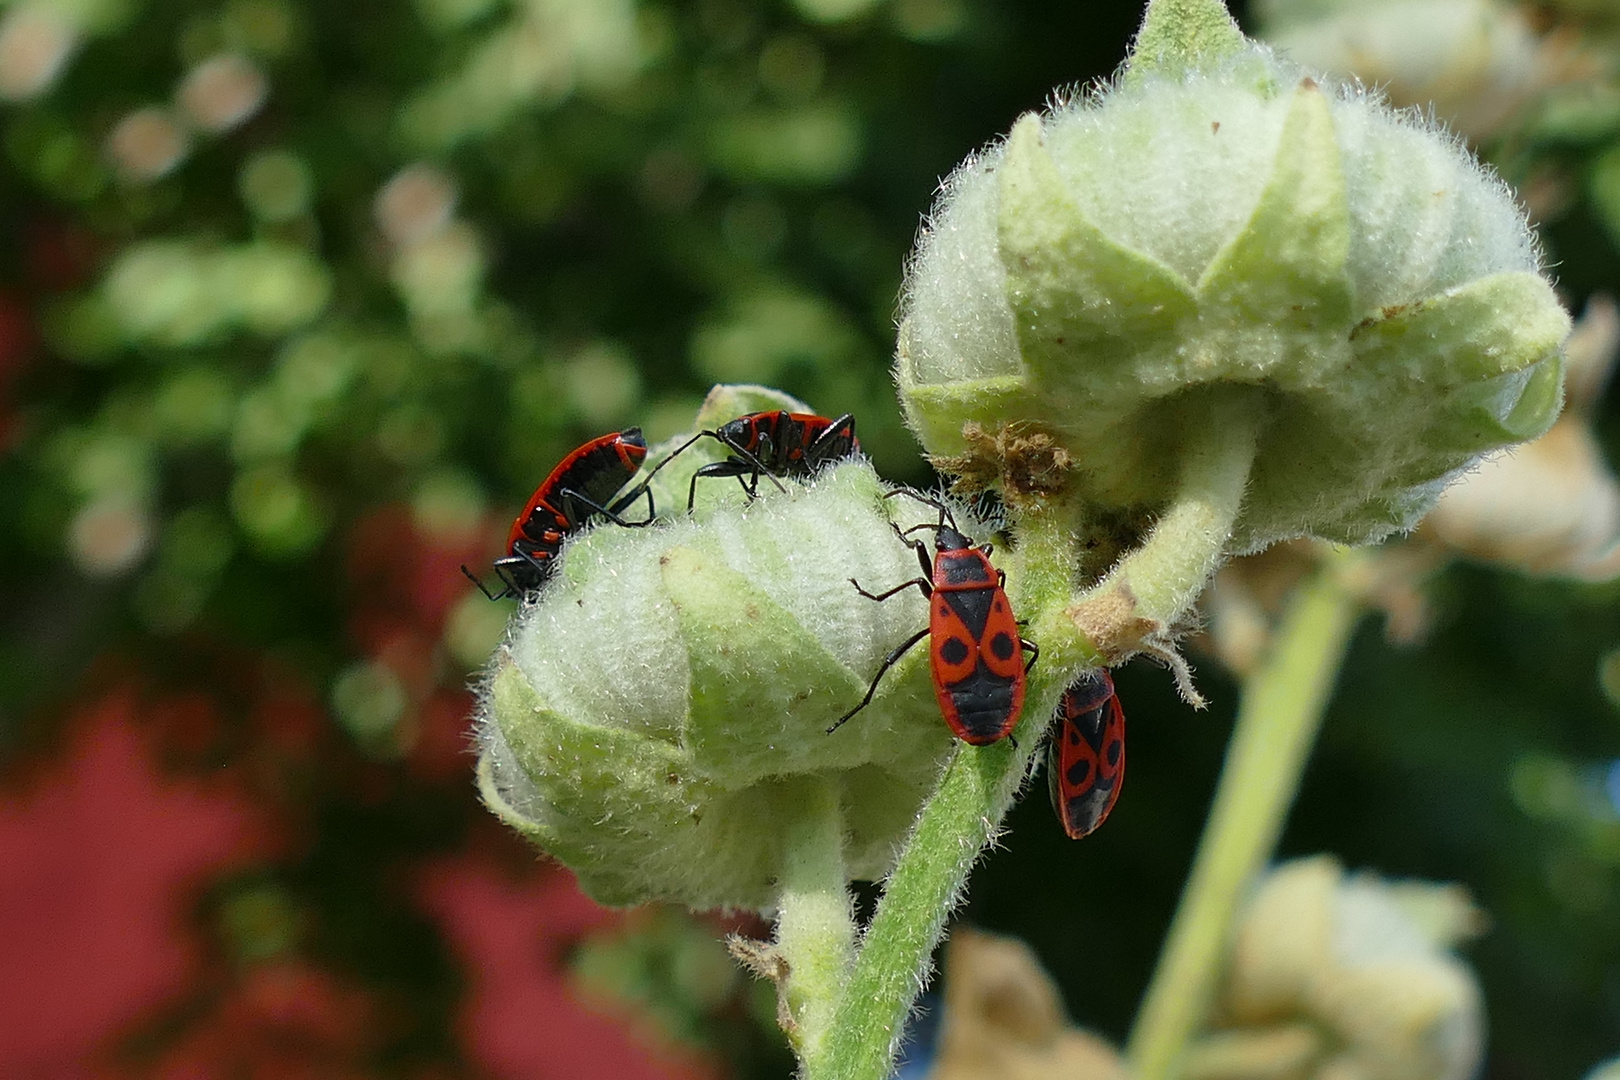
pixel 974 643
pixel 577 490
pixel 773 444
pixel 1085 756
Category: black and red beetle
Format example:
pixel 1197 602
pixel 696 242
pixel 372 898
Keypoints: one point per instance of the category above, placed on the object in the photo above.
pixel 577 490
pixel 1085 756
pixel 772 444
pixel 974 643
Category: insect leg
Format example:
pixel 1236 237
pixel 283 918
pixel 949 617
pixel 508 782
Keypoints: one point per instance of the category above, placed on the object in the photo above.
pixel 924 584
pixel 671 456
pixel 472 577
pixel 574 502
pixel 545 568
pixel 627 500
pixel 888 662
pixel 945 514
pixel 652 511
pixel 728 467
pixel 744 465
pixel 923 560
pixel 815 454
pixel 916 545
pixel 756 466
pixel 765 452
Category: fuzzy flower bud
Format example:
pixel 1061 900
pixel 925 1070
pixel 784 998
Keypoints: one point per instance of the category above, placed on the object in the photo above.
pixel 1347 978
pixel 1003 1018
pixel 657 719
pixel 1225 242
pixel 1478 63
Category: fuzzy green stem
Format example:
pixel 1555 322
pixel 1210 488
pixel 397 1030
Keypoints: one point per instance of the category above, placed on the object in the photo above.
pixel 1166 574
pixel 1040 579
pixel 1155 585
pixel 1158 582
pixel 815 926
pixel 1277 723
pixel 958 821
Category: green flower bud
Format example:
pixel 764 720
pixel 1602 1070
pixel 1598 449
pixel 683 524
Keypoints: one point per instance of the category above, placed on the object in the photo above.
pixel 1225 237
pixel 657 719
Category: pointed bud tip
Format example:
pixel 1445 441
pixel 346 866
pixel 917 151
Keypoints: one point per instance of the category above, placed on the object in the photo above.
pixel 1184 34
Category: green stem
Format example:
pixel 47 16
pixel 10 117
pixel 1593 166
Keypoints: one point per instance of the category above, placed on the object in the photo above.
pixel 815 926
pixel 1277 722
pixel 1166 574
pixel 1159 581
pixel 927 882
pixel 958 821
pixel 1137 603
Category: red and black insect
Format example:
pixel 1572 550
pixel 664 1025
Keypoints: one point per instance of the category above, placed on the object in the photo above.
pixel 1085 757
pixel 773 444
pixel 974 642
pixel 577 490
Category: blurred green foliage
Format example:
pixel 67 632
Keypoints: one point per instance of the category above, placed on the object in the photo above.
pixel 285 339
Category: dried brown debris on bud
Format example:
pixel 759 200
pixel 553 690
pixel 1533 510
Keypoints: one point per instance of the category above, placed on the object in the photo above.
pixel 1020 460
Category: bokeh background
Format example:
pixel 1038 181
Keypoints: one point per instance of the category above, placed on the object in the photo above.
pixel 299 301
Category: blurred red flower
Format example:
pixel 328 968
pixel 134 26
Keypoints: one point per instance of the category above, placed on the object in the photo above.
pixel 285 1020
pixel 100 861
pixel 521 1020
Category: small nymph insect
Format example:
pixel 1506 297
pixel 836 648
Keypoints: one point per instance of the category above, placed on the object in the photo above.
pixel 773 444
pixel 974 643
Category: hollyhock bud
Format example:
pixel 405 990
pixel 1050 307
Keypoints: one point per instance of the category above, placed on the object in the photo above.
pixel 1226 242
pixel 657 719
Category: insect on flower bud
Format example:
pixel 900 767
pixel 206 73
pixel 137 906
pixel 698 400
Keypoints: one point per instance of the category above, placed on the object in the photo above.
pixel 660 705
